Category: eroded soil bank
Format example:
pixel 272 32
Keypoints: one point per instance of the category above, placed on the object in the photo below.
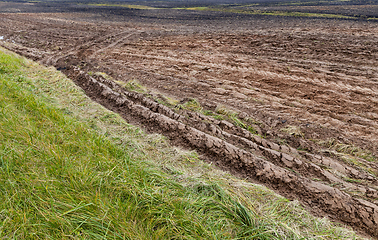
pixel 289 103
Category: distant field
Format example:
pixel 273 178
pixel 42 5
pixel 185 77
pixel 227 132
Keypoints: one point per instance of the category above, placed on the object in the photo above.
pixel 344 9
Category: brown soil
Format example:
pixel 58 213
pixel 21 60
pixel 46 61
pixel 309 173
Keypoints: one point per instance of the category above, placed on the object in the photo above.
pixel 318 79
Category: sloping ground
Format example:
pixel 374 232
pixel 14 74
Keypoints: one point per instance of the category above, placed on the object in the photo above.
pixel 299 105
pixel 70 169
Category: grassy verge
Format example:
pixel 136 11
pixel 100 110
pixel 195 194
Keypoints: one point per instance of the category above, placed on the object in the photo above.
pixel 70 169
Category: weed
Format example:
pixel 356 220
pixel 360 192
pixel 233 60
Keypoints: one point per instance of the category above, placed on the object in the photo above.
pixel 219 117
pixel 224 111
pixel 191 105
pixel 237 121
pixel 352 180
pixel 293 130
pixel 166 101
pixel 102 74
pixel 348 149
pixel 171 101
pixel 133 85
pixel 282 141
pixel 233 117
pixel 252 130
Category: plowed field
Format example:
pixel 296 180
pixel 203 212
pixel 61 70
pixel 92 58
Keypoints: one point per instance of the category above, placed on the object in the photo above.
pixel 291 103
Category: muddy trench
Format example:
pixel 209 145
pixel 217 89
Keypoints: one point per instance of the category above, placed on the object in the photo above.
pixel 236 150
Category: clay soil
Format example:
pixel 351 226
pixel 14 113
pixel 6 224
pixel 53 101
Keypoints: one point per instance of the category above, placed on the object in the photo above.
pixel 307 87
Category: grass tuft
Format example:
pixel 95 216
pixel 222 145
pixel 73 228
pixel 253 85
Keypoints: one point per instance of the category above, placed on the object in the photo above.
pixel 100 74
pixel 133 85
pixel 233 117
pixel 348 149
pixel 191 105
pixel 293 130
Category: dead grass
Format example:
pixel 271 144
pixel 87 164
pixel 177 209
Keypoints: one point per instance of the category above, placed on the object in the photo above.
pixel 293 130
pixel 348 149
pixel 133 85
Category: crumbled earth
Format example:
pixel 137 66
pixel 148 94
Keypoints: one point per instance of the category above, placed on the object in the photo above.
pixel 302 93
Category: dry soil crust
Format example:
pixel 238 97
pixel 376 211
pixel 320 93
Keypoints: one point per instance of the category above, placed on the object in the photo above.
pixel 320 80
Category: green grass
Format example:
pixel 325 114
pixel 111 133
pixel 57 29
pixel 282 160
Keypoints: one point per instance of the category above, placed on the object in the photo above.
pixel 191 105
pixel 270 13
pixel 140 7
pixel 133 85
pixel 350 154
pixel 348 149
pixel 70 169
pixel 232 116
pixel 309 3
pixel 239 9
pixel 221 113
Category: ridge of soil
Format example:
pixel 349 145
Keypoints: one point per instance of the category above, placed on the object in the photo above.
pixel 274 171
pixel 318 83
